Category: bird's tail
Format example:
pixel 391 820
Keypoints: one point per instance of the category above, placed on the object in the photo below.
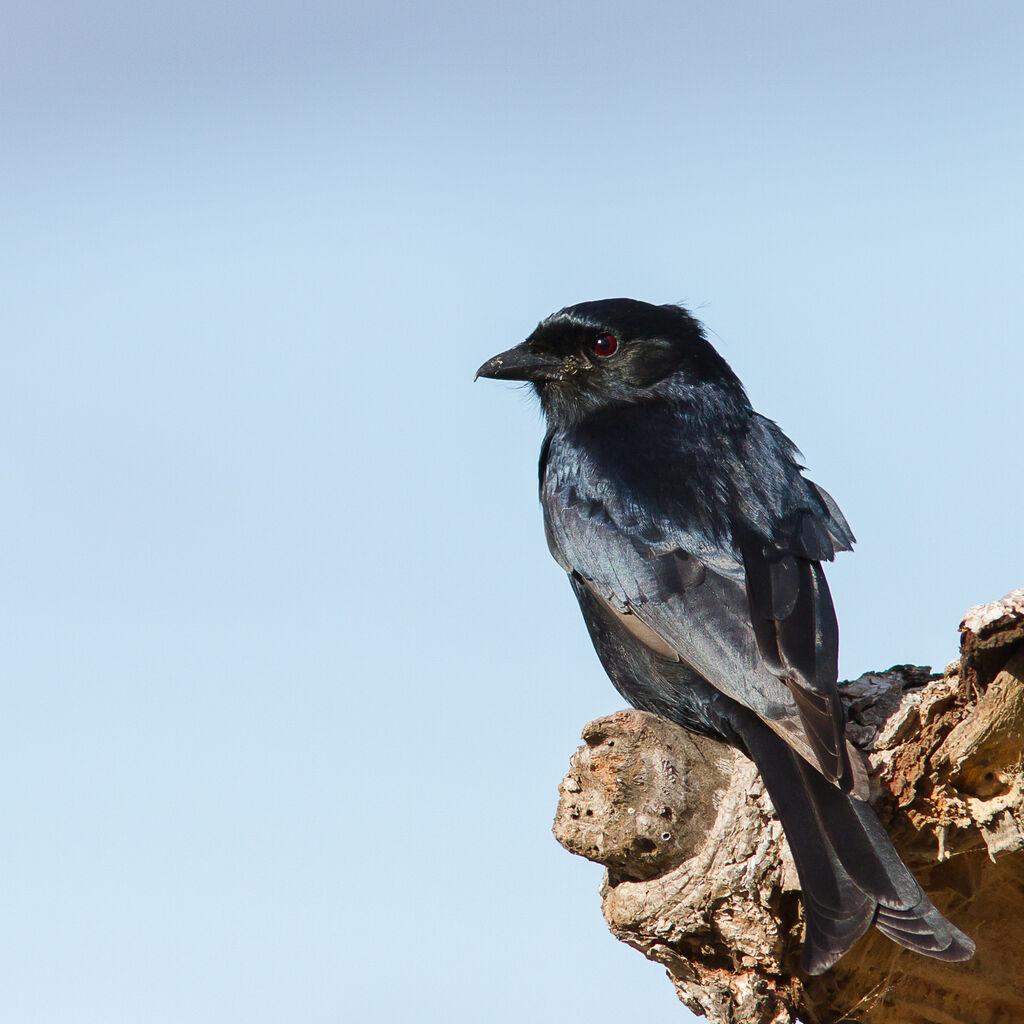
pixel 850 873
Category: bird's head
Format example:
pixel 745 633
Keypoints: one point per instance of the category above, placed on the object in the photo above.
pixel 595 355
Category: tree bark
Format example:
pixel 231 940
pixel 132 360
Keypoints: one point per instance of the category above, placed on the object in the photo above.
pixel 700 879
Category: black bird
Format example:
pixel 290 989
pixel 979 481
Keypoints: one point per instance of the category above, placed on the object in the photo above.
pixel 694 545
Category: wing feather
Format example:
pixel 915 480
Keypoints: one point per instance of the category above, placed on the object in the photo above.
pixel 749 613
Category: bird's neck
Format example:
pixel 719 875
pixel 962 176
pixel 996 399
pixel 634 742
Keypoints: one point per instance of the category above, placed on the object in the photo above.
pixel 663 416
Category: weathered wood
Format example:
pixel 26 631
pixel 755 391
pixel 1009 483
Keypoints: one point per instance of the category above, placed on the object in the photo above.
pixel 700 878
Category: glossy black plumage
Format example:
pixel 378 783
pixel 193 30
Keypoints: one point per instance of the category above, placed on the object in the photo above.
pixel 694 544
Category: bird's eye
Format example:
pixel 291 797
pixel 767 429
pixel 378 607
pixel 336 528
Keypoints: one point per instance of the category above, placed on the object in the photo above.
pixel 605 345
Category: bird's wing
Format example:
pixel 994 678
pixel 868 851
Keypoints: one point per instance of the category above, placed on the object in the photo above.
pixel 752 616
pixel 797 635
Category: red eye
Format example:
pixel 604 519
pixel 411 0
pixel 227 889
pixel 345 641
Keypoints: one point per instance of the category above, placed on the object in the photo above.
pixel 605 345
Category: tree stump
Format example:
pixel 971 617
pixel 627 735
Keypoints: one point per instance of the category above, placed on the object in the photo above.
pixel 700 878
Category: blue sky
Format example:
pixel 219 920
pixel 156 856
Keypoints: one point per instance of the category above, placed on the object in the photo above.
pixel 290 677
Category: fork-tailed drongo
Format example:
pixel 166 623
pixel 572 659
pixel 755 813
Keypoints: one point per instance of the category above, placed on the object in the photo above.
pixel 694 545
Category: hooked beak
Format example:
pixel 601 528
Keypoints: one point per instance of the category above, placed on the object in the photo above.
pixel 520 363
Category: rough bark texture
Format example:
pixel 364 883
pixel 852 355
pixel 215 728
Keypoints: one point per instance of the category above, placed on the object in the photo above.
pixel 701 880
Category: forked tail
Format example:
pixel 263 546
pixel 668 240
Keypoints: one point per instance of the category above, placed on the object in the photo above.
pixel 850 873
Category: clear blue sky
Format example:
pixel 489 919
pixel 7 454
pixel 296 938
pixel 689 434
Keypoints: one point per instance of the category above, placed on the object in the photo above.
pixel 289 677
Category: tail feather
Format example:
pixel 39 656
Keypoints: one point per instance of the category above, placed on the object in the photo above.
pixel 925 930
pixel 850 873
pixel 860 842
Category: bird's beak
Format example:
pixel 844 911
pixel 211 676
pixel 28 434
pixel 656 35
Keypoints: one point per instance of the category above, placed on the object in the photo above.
pixel 520 363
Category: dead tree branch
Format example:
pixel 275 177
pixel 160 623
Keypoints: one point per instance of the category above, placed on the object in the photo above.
pixel 700 878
